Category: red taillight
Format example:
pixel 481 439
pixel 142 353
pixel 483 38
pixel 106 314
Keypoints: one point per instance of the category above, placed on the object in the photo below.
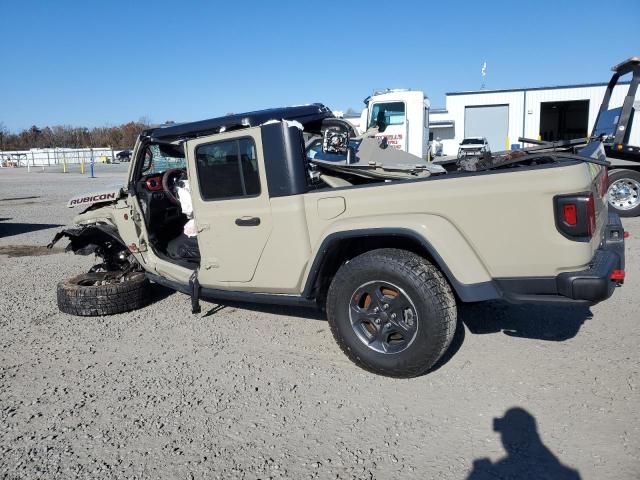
pixel 591 215
pixel 570 214
pixel 576 215
pixel 617 276
pixel 626 234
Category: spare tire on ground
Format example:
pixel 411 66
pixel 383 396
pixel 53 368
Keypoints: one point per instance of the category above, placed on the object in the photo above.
pixel 103 293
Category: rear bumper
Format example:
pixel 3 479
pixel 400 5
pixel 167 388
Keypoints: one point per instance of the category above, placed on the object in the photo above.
pixel 586 287
pixel 594 284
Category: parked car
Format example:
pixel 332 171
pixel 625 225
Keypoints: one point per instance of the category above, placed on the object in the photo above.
pixel 382 240
pixel 124 155
pixel 473 146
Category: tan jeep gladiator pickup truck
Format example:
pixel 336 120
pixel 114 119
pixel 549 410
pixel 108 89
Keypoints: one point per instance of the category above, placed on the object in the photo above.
pixel 289 208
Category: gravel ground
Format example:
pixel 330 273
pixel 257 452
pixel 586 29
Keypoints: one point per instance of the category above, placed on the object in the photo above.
pixel 237 392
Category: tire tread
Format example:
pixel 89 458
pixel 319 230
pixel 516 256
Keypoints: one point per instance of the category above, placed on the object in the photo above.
pixel 432 284
pixel 90 301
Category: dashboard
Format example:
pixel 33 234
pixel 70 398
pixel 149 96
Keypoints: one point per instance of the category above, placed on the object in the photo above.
pixel 156 207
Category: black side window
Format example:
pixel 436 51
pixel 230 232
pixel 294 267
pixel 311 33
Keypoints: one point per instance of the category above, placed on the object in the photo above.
pixel 228 169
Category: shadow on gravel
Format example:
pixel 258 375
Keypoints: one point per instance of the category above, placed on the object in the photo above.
pixel 158 292
pixel 13 251
pixel 289 311
pixel 456 344
pixel 10 229
pixel 214 310
pixel 17 198
pixel 539 322
pixel 527 457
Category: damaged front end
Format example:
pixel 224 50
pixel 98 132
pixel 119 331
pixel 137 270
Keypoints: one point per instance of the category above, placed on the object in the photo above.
pixel 101 240
pixel 95 232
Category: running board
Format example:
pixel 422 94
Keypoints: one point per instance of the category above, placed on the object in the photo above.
pixel 215 294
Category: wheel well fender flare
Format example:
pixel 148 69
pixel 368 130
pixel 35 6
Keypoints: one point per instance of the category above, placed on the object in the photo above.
pixel 325 261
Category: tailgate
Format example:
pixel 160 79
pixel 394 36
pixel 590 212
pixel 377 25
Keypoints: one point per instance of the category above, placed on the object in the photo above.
pixel 599 186
pixel 582 212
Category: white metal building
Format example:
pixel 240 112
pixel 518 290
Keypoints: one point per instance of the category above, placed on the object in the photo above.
pixel 547 113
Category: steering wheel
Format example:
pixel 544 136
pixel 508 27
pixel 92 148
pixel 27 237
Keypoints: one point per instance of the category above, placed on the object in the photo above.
pixel 169 178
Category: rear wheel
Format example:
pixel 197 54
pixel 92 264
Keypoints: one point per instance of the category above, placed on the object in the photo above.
pixel 103 293
pixel 392 312
pixel 624 192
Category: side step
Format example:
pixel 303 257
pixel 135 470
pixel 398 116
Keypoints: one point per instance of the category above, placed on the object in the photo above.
pixel 214 294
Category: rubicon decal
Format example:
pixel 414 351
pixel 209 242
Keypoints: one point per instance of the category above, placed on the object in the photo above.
pixel 90 198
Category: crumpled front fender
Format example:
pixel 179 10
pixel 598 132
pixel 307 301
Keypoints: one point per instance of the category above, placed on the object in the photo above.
pixel 100 239
pixel 96 214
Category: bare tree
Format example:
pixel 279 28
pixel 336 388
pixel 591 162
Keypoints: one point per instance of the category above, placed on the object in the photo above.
pixel 4 131
pixel 118 137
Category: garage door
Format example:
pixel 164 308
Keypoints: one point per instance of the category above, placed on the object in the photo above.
pixel 491 122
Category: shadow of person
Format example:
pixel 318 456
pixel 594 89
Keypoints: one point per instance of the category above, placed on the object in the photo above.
pixel 554 323
pixel 527 457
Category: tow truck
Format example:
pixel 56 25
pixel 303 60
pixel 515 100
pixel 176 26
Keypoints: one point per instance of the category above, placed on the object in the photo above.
pixel 406 117
pixel 613 127
pixel 405 114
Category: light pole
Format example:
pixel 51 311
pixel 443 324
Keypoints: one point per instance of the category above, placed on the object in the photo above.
pixel 91 160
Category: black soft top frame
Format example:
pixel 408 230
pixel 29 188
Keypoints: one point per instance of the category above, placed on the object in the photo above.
pixel 310 116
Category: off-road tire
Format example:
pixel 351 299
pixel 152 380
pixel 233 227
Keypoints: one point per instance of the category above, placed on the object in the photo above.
pixel 76 298
pixel 427 289
pixel 634 177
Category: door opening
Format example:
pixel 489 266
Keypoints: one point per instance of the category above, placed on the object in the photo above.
pixel 564 120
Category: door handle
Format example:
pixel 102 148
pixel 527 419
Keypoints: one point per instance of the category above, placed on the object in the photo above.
pixel 248 221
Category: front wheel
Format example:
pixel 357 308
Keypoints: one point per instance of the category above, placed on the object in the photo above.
pixel 103 293
pixel 392 312
pixel 624 192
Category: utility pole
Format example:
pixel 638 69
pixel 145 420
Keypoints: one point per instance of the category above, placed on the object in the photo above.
pixel 91 160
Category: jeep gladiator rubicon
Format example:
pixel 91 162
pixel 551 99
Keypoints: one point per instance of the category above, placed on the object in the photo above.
pixel 386 242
